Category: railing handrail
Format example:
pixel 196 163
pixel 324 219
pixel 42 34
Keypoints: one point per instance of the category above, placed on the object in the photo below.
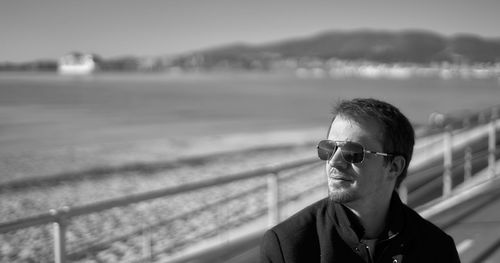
pixel 462 138
pixel 55 215
pixel 477 118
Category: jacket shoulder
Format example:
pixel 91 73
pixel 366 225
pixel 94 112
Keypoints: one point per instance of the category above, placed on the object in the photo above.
pixel 296 238
pixel 303 221
pixel 429 237
pixel 422 226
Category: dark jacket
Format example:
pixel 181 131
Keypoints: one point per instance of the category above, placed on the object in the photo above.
pixel 328 232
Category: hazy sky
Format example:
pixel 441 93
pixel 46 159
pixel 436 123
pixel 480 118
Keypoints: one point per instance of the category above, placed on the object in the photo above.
pixel 47 29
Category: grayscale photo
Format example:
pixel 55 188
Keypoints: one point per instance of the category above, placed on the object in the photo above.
pixel 249 131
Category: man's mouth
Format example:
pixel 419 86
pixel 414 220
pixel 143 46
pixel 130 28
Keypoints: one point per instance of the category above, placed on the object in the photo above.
pixel 341 178
pixel 336 175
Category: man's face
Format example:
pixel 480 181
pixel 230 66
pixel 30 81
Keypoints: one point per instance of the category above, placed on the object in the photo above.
pixel 358 182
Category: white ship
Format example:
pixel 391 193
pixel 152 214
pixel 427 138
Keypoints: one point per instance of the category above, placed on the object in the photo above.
pixel 76 64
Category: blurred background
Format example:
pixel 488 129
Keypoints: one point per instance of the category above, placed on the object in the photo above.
pixel 111 100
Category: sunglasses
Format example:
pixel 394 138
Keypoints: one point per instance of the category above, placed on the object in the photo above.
pixel 351 152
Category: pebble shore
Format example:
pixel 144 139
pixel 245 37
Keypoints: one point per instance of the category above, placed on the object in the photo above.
pixel 161 227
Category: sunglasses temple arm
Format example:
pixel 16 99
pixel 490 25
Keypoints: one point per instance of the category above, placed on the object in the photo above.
pixel 378 153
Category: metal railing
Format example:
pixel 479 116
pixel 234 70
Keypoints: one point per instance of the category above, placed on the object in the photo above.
pixel 60 218
pixel 453 142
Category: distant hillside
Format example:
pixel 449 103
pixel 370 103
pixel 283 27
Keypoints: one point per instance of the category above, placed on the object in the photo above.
pixel 420 47
pixel 412 46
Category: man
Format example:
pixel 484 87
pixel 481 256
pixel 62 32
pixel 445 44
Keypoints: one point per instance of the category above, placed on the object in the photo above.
pixel 367 153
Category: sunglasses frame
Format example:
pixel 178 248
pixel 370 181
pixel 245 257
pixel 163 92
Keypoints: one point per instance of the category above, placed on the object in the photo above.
pixel 343 143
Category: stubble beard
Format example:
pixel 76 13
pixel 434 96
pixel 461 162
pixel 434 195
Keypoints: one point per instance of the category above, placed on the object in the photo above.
pixel 337 191
pixel 341 195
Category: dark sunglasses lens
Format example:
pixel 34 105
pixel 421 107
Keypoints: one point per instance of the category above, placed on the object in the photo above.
pixel 352 152
pixel 326 149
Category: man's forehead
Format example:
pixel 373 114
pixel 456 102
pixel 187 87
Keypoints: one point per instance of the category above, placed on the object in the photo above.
pixel 364 122
pixel 347 126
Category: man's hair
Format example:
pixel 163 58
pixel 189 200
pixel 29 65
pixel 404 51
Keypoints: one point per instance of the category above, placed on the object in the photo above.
pixel 398 136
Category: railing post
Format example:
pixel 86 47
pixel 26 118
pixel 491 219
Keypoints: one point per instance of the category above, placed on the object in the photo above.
pixel 59 227
pixel 467 154
pixel 492 143
pixel 273 199
pixel 148 244
pixel 448 160
pixel 467 164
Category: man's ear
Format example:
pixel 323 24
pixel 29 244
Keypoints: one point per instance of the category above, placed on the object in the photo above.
pixel 396 166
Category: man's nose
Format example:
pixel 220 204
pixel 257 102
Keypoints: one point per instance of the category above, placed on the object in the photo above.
pixel 336 160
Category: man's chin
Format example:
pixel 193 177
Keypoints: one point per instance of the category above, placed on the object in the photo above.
pixel 341 196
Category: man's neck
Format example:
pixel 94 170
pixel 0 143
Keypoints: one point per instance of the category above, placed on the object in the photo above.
pixel 372 215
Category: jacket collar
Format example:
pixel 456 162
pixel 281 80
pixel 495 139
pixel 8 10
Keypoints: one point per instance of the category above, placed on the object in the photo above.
pixel 350 229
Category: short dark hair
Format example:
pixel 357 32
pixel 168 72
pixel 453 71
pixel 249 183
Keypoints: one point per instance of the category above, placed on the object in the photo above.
pixel 397 131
